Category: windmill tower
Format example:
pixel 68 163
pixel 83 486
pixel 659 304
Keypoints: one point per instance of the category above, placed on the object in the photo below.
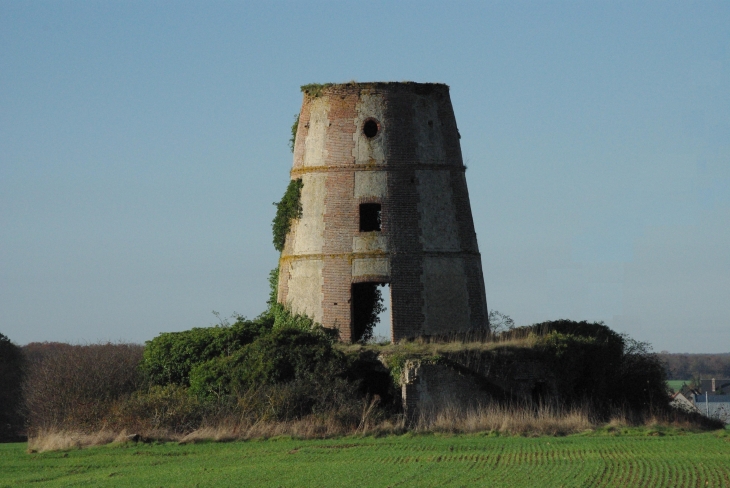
pixel 384 200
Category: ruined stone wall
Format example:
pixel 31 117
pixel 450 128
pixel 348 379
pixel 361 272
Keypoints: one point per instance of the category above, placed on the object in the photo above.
pixel 426 248
pixel 428 388
pixel 521 373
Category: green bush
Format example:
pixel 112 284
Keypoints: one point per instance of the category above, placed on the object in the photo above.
pixel 593 363
pixel 169 357
pixel 642 378
pixel 598 331
pixel 585 367
pixel 278 355
pixel 289 372
pixel 283 355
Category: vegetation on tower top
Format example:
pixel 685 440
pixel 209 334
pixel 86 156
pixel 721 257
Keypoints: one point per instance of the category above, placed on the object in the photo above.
pixel 315 89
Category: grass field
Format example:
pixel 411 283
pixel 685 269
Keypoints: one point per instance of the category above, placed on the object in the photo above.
pixel 676 385
pixel 429 460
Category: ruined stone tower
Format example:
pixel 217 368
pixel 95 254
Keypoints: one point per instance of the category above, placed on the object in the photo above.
pixel 384 200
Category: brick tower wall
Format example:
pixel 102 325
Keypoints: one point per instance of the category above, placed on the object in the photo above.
pixel 426 248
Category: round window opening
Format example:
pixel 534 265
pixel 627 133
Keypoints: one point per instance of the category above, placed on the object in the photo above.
pixel 370 128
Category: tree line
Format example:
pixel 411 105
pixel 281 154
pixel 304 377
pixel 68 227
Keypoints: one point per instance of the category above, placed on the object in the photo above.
pixel 689 366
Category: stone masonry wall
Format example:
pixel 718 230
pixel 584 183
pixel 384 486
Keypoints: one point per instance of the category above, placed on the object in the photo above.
pixel 430 388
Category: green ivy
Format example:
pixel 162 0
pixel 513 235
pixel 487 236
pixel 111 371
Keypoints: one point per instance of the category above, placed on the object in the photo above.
pixel 396 363
pixel 273 289
pixel 287 209
pixel 294 128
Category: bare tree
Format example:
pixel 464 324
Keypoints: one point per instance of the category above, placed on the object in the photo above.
pixel 74 386
pixel 499 322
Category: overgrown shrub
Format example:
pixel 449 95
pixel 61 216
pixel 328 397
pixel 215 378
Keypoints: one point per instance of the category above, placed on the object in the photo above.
pixel 169 408
pixel 284 373
pixel 172 409
pixel 282 365
pixel 76 386
pixel 281 356
pixel 287 209
pixel 169 357
pixel 584 365
pixel 326 395
pixel 642 378
pixel 598 331
pixel 11 378
pixel 591 364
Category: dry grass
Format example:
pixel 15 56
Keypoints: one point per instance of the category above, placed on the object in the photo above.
pixel 544 420
pixel 433 346
pixel 229 427
pixel 57 440
pixel 307 428
pixel 676 419
pixel 227 430
pixel 492 418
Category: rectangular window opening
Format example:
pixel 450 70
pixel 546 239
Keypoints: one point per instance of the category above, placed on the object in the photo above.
pixel 369 217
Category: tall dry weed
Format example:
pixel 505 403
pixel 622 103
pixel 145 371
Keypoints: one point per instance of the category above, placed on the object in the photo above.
pixel 524 420
pixel 57 440
pixel 73 387
pixel 548 420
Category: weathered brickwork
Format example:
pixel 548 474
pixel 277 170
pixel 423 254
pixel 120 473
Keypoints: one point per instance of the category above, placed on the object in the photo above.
pixel 397 145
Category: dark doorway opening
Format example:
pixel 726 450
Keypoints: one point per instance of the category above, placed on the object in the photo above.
pixel 367 304
pixel 369 217
pixel 539 392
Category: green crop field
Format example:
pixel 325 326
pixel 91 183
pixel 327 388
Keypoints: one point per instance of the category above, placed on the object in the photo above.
pixel 676 385
pixel 428 460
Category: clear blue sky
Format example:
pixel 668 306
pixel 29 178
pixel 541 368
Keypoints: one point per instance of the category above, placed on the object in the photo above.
pixel 142 144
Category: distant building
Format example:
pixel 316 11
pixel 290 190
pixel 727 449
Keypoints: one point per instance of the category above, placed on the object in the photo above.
pixel 681 402
pixel 715 386
pixel 713 406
